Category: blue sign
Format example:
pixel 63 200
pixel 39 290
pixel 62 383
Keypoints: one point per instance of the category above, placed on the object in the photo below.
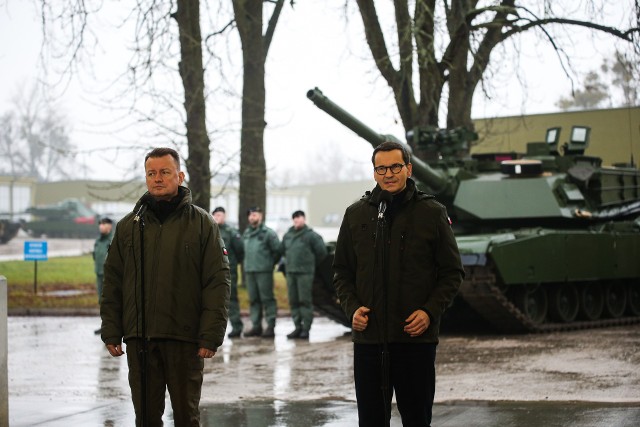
pixel 35 251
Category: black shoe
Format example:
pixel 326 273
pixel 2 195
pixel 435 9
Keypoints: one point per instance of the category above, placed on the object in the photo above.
pixel 235 333
pixel 295 334
pixel 269 332
pixel 304 335
pixel 254 332
pixel 98 331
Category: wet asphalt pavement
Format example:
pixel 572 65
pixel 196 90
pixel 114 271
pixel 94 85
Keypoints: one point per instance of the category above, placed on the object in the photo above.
pixel 61 375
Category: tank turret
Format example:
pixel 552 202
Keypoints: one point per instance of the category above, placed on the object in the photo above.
pixel 549 238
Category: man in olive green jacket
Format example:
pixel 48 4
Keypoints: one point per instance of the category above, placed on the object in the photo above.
pixel 100 249
pixel 235 250
pixel 185 275
pixel 261 253
pixel 397 268
pixel 303 249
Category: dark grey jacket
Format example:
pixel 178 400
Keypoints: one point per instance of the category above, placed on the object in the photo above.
pixel 422 265
pixel 187 280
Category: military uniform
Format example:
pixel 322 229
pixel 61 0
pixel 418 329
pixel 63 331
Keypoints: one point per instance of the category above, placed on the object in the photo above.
pixel 303 249
pixel 235 251
pixel 100 249
pixel 261 253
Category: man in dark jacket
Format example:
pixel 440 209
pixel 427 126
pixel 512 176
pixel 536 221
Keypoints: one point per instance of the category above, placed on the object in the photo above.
pixel 235 248
pixel 184 273
pixel 261 253
pixel 303 249
pixel 397 268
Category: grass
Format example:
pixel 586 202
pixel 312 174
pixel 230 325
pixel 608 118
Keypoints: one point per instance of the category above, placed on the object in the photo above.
pixel 69 282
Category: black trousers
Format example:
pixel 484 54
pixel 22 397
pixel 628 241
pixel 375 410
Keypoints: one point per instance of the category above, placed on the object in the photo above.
pixel 411 375
pixel 172 365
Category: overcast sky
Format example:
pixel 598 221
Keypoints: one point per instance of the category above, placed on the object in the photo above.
pixel 313 46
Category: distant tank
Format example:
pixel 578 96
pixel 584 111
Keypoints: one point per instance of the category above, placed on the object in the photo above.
pixel 68 218
pixel 550 239
pixel 8 230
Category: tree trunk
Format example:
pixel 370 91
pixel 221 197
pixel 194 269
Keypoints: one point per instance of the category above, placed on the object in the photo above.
pixel 253 171
pixel 192 74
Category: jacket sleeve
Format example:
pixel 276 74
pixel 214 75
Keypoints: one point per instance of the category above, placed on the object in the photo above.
pixel 275 246
pixel 319 248
pixel 216 286
pixel 237 245
pixel 449 268
pixel 344 270
pixel 111 303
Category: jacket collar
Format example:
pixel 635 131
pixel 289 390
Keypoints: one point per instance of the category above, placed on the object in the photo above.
pixel 408 195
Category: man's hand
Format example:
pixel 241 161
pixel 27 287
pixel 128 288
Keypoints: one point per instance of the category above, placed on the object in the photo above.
pixel 115 350
pixel 417 323
pixel 205 353
pixel 360 319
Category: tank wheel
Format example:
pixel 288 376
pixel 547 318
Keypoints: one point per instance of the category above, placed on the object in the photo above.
pixel 633 298
pixel 563 303
pixel 615 299
pixel 591 301
pixel 533 303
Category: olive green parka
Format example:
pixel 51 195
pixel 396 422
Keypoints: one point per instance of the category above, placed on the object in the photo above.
pixel 421 260
pixel 186 275
pixel 303 250
pixel 261 249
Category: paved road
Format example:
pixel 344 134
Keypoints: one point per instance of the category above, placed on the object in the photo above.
pixel 61 375
pixel 14 249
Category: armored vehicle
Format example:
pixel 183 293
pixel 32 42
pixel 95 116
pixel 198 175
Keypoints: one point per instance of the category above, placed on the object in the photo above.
pixel 68 218
pixel 550 239
pixel 8 230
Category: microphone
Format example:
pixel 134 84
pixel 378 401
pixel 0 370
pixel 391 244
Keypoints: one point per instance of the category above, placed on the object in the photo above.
pixel 384 198
pixel 144 205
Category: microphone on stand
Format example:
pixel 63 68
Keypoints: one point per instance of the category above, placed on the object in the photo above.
pixel 384 198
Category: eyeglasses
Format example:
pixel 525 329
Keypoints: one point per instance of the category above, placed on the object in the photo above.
pixel 395 169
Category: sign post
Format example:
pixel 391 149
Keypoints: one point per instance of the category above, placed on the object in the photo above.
pixel 35 251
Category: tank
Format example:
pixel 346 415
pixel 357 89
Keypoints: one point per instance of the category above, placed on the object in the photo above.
pixel 69 218
pixel 549 239
pixel 8 230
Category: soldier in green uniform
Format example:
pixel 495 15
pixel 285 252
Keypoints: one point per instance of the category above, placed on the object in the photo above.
pixel 303 249
pixel 235 252
pixel 100 249
pixel 261 253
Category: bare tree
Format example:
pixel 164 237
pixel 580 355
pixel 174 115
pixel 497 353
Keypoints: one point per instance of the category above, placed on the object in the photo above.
pixel 590 96
pixel 69 35
pixel 448 45
pixel 255 46
pixel 626 76
pixel 34 139
pixel 599 85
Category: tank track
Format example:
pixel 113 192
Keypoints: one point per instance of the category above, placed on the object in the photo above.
pixel 480 290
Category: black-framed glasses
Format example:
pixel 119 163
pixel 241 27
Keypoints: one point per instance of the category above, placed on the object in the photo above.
pixel 395 169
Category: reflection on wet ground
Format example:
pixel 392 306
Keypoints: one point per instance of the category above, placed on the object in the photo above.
pixel 61 375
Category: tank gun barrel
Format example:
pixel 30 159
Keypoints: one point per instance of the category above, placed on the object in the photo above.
pixel 436 180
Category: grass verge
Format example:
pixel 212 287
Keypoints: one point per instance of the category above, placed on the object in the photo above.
pixel 69 282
